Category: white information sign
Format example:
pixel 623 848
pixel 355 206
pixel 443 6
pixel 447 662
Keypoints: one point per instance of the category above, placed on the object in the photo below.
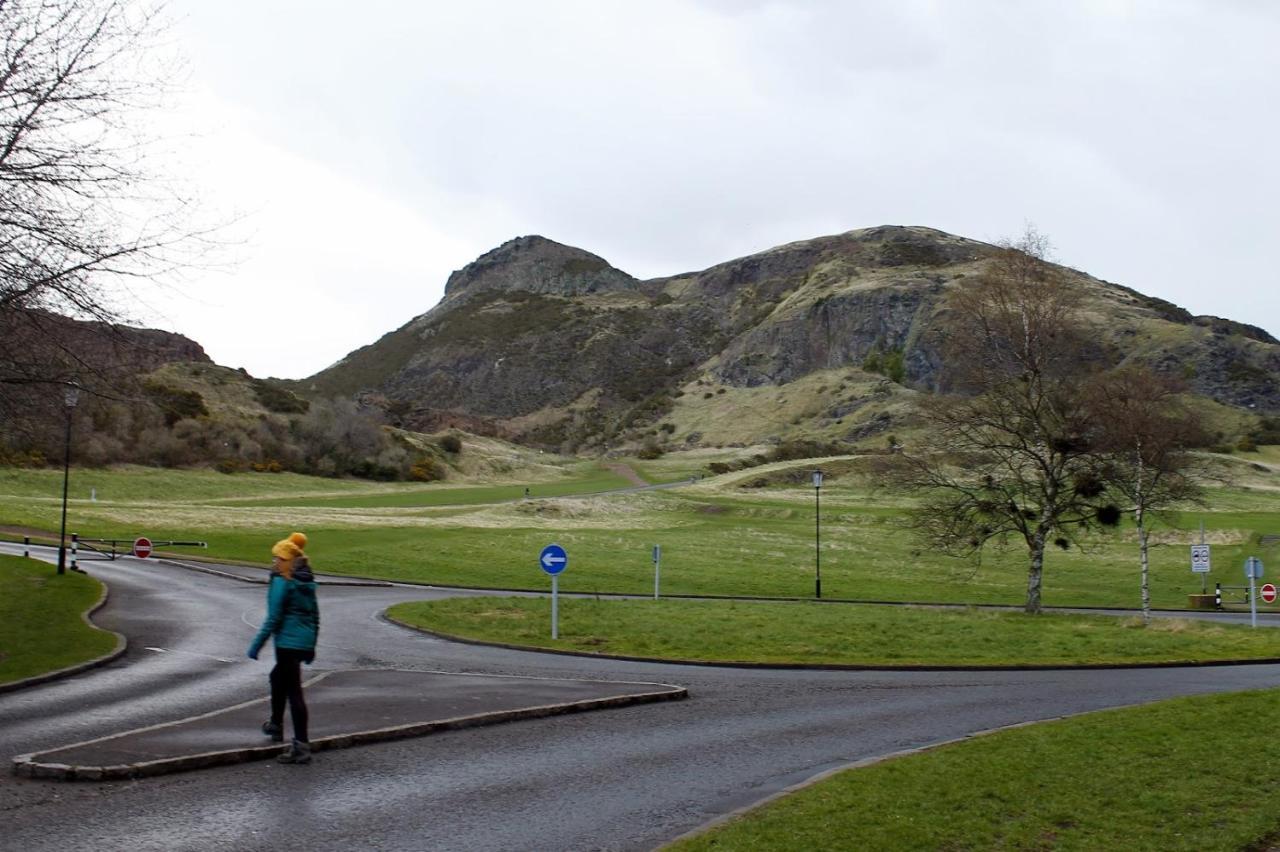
pixel 1200 558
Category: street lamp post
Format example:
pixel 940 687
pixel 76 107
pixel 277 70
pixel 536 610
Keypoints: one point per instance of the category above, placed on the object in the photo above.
pixel 817 534
pixel 72 396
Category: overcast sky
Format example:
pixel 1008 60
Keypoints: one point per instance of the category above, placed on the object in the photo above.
pixel 367 150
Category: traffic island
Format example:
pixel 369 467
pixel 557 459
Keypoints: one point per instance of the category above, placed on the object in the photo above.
pixel 347 708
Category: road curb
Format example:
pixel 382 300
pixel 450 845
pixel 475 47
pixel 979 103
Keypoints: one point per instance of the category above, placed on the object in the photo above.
pixel 830 667
pixel 122 645
pixel 30 766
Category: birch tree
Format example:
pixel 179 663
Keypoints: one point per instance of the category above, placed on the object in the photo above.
pixel 1147 433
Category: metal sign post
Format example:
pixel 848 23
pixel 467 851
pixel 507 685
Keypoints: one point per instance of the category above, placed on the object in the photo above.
pixel 1253 570
pixel 553 560
pixel 1200 563
pixel 657 568
pixel 817 534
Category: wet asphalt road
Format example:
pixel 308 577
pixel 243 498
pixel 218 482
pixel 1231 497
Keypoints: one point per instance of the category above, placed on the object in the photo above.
pixel 617 779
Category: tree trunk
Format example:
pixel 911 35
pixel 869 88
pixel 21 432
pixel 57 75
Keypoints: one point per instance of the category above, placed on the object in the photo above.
pixel 1142 552
pixel 1035 570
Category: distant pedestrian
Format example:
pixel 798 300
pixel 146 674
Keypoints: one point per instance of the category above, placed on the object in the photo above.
pixel 292 623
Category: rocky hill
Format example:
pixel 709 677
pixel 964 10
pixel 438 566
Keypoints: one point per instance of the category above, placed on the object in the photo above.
pixel 550 344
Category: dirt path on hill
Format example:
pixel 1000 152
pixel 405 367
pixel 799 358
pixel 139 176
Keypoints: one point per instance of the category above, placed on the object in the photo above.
pixel 626 472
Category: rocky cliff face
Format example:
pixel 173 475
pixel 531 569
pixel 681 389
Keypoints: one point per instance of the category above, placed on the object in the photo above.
pixel 542 341
pixel 61 348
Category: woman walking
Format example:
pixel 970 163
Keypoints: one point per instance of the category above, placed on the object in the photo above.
pixel 292 623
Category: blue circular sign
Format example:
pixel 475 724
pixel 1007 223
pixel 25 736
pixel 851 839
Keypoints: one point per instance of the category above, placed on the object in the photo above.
pixel 553 559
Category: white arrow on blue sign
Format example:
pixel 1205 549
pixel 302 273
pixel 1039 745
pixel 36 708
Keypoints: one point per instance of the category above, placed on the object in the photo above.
pixel 553 559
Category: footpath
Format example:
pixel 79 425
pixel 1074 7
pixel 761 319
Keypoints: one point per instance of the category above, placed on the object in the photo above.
pixel 347 708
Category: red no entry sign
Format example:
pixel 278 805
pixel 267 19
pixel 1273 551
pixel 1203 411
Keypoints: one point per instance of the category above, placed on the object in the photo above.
pixel 1268 592
pixel 142 549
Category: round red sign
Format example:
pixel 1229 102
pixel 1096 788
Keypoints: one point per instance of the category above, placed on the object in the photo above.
pixel 1268 592
pixel 142 548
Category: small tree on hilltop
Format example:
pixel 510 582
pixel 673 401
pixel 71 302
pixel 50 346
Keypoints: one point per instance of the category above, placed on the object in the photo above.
pixel 1146 432
pixel 1012 451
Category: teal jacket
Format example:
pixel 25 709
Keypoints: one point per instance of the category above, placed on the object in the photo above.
pixel 293 614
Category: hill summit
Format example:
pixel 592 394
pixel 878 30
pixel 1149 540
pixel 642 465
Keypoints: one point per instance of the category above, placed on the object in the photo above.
pixel 547 343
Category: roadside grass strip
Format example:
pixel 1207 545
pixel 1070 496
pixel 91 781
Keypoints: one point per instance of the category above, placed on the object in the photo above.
pixel 1185 774
pixel 42 628
pixel 836 634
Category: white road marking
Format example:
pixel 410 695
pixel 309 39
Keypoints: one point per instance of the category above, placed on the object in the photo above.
pixel 191 654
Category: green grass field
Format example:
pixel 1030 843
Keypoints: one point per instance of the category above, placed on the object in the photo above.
pixel 41 629
pixel 1159 777
pixel 817 633
pixel 718 537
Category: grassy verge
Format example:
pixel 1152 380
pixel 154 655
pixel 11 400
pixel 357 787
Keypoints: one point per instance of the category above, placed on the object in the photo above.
pixel 1156 777
pixel 772 632
pixel 40 625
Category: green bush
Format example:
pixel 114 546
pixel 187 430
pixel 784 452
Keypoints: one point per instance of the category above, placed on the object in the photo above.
pixel 1267 431
pixel 650 450
pixel 427 469
pixel 890 364
pixel 176 403
pixel 278 399
pixel 451 444
pixel 793 450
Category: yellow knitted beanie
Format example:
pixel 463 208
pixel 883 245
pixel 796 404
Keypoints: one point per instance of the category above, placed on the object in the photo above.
pixel 286 549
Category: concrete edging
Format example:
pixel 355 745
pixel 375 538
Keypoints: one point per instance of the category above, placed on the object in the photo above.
pixel 831 667
pixel 122 645
pixel 29 766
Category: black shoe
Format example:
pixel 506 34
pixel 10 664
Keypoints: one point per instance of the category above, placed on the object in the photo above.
pixel 274 730
pixel 297 752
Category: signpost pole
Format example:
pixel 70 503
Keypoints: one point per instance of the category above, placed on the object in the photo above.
pixel 657 568
pixel 553 560
pixel 1253 603
pixel 817 534
pixel 1253 570
pixel 1204 578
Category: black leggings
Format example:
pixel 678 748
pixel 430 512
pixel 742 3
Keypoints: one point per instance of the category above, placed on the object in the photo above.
pixel 286 684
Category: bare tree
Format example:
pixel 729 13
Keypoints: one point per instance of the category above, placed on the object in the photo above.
pixel 1147 432
pixel 81 212
pixel 1012 449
